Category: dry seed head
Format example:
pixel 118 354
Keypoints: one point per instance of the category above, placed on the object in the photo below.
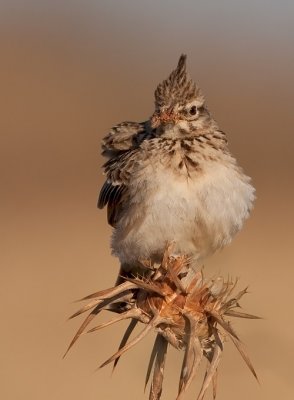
pixel 187 312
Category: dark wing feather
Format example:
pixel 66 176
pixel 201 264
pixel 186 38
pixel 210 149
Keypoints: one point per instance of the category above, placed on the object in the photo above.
pixel 114 192
pixel 111 196
pixel 115 204
pixel 120 146
pixel 107 193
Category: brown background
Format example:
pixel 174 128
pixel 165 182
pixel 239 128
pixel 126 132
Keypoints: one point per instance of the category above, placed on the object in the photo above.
pixel 69 71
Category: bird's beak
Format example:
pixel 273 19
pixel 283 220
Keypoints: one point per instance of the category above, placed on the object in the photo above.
pixel 164 117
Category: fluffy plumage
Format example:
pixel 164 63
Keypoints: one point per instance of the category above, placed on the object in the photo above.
pixel 172 178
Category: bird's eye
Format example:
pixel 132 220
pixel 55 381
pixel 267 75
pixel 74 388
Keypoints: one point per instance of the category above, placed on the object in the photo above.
pixel 193 110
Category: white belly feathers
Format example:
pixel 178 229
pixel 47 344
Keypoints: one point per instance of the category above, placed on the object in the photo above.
pixel 200 214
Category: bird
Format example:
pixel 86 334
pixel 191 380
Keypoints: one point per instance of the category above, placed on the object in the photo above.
pixel 172 179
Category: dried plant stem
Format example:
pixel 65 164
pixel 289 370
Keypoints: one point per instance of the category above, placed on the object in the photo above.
pixel 186 311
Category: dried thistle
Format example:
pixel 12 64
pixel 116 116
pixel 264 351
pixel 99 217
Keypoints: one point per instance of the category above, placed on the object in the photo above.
pixel 187 312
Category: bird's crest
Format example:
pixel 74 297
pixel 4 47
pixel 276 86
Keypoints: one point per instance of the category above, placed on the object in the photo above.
pixel 177 88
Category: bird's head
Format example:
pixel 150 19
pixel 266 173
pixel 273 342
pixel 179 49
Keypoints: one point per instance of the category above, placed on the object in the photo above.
pixel 179 105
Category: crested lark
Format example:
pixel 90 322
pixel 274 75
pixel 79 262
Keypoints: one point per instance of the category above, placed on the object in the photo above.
pixel 172 179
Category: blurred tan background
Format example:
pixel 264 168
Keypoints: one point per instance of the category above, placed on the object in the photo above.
pixel 69 71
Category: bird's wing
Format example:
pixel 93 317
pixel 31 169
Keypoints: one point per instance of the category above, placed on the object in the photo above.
pixel 122 137
pixel 114 192
pixel 120 146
